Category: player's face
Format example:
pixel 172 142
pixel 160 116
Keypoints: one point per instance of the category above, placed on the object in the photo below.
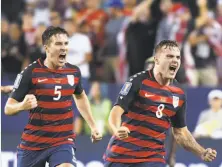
pixel 57 49
pixel 168 61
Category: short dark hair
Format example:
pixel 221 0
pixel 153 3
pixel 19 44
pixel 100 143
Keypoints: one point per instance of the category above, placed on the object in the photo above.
pixel 166 43
pixel 50 31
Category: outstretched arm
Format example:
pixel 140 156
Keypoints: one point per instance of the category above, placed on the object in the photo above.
pixel 83 106
pixel 184 138
pixel 141 9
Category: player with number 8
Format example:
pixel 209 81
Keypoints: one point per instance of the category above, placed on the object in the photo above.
pixel 149 103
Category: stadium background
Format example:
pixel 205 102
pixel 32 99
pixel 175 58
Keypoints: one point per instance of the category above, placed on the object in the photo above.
pixel 90 155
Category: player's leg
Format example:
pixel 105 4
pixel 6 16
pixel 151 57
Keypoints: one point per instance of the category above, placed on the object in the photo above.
pixel 62 156
pixel 27 158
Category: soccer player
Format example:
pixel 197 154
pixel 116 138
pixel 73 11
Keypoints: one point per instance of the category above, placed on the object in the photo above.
pixel 148 104
pixel 46 88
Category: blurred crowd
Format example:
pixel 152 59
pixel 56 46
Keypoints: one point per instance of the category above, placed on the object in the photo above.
pixel 113 39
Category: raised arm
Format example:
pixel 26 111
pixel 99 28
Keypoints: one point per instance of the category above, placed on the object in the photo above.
pixel 140 9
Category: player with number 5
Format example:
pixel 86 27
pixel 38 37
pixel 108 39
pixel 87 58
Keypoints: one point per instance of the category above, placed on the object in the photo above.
pixel 149 103
pixel 45 88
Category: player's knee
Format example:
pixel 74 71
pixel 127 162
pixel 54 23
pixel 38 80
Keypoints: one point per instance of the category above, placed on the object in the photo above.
pixel 65 165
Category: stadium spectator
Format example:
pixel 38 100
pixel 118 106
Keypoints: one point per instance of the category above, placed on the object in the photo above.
pixel 80 49
pixel 28 28
pixel 209 123
pixel 73 7
pixel 15 50
pixel 140 34
pixel 166 24
pixel 200 50
pixel 219 11
pixel 55 18
pixel 41 13
pixel 129 5
pixel 110 48
pixel 94 19
pixel 100 107
pixel 219 19
pixel 4 37
pixel 36 50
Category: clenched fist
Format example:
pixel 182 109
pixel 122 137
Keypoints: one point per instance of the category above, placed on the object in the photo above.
pixel 29 102
pixel 95 135
pixel 122 132
pixel 209 155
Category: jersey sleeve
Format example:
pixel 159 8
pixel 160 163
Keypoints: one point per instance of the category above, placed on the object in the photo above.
pixel 179 119
pixel 79 88
pixel 128 93
pixel 22 85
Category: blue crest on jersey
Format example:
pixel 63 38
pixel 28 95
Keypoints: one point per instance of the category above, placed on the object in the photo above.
pixel 126 87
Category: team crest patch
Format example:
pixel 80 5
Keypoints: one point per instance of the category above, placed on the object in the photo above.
pixel 126 88
pixel 175 101
pixel 71 79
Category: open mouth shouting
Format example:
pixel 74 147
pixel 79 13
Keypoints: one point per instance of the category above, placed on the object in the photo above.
pixel 62 58
pixel 173 69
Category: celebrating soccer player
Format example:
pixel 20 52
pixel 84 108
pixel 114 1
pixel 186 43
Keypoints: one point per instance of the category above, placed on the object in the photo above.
pixel 46 88
pixel 149 103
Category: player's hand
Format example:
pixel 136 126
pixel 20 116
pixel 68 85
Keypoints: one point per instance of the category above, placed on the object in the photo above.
pixel 209 155
pixel 29 102
pixel 95 135
pixel 122 132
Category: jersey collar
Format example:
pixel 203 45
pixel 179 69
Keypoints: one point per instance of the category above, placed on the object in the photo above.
pixel 151 76
pixel 41 63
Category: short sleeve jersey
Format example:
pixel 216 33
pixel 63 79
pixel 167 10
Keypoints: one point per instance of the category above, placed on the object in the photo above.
pixel 51 122
pixel 149 110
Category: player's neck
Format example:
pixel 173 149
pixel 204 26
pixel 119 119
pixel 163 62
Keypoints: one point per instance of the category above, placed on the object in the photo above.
pixel 159 78
pixel 50 65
